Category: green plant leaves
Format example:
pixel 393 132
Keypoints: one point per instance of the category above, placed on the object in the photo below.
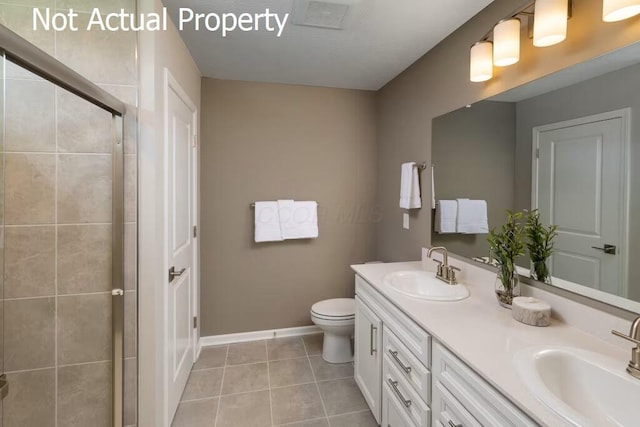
pixel 508 242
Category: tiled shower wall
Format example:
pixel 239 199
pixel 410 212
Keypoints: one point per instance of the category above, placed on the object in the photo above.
pixel 57 234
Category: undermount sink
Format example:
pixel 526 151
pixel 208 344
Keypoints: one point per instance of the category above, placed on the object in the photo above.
pixel 424 285
pixel 585 388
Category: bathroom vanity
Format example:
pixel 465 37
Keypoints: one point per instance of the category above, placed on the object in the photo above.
pixel 422 363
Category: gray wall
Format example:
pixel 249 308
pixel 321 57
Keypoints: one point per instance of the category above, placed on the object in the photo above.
pixel 267 142
pixel 612 91
pixel 439 82
pixel 473 153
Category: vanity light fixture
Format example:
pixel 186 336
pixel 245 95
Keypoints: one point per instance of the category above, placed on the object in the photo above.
pixel 547 25
pixel 550 22
pixel 619 10
pixel 481 68
pixel 506 42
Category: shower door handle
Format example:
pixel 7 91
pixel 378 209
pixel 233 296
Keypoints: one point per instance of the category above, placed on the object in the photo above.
pixel 4 386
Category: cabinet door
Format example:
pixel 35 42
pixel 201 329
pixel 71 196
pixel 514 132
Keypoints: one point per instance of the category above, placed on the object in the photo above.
pixel 368 357
pixel 393 415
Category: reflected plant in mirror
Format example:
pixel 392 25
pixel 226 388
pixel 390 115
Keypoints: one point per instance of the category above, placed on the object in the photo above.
pixel 539 245
pixel 506 245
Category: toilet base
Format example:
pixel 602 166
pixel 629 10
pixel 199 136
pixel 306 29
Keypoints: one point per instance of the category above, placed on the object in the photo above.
pixel 337 348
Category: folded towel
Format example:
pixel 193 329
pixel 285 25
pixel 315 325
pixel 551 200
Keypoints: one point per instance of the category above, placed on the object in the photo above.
pixel 298 220
pixel 472 217
pixel 410 187
pixel 267 222
pixel 446 216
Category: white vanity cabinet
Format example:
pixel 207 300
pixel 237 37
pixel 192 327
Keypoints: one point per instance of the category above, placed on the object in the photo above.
pixel 406 385
pixel 367 357
pixel 398 391
pixel 462 398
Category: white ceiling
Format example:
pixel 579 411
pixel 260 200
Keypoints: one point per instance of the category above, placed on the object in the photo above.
pixel 381 39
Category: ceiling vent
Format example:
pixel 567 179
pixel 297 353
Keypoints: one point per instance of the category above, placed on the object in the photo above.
pixel 320 14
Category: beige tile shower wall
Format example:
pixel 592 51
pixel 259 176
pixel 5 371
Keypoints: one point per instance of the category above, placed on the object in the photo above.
pixel 439 82
pixel 268 142
pixel 57 234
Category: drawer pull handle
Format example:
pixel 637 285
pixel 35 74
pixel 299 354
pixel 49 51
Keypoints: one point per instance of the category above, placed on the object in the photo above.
pixel 371 331
pixel 404 367
pixel 394 386
pixel 452 424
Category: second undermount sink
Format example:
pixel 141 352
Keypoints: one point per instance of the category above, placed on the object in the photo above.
pixel 585 388
pixel 424 285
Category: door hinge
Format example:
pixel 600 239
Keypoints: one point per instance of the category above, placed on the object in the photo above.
pixel 537 153
pixel 195 322
pixel 195 231
pixel 195 140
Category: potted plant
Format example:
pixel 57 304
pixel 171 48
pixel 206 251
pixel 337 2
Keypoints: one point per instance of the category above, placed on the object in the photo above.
pixel 540 245
pixel 506 245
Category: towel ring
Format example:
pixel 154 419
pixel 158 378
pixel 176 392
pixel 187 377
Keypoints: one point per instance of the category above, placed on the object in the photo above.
pixel 422 166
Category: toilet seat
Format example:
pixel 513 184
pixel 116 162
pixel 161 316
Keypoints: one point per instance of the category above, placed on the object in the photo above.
pixel 337 309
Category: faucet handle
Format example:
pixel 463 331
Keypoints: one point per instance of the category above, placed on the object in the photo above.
pixel 451 274
pixel 440 267
pixel 626 337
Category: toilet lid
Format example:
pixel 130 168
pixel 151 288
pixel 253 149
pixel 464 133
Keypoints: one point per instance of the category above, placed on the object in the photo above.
pixel 335 308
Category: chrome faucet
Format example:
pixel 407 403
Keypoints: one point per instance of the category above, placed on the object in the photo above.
pixel 634 337
pixel 445 272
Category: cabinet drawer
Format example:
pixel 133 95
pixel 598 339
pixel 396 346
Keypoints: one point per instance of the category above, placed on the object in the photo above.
pixel 412 335
pixel 450 412
pixel 484 403
pixel 411 369
pixel 393 412
pixel 411 404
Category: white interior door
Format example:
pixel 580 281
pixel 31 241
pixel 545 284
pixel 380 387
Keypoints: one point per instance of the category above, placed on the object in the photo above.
pixel 180 217
pixel 581 188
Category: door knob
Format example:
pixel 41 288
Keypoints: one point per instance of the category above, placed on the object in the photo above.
pixel 173 273
pixel 608 249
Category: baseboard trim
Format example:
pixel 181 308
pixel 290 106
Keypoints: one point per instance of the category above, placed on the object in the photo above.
pixel 257 335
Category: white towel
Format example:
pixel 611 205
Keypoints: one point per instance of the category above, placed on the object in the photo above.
pixel 472 217
pixel 410 187
pixel 298 220
pixel 267 222
pixel 446 216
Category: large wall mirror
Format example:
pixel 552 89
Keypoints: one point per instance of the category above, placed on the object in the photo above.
pixel 568 145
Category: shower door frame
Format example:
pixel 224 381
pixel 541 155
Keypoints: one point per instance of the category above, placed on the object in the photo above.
pixel 21 52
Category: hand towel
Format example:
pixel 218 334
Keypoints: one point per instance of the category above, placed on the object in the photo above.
pixel 267 222
pixel 446 216
pixel 472 217
pixel 298 220
pixel 410 187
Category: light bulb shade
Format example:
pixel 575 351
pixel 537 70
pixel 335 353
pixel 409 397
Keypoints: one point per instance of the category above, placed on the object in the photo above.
pixel 481 62
pixel 506 42
pixel 550 22
pixel 618 10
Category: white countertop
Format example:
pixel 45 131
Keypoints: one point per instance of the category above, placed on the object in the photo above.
pixel 484 335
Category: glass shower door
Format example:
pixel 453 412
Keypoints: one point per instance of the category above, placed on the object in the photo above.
pixel 58 304
pixel 4 387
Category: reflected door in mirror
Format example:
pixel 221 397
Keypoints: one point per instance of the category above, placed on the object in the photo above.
pixel 580 188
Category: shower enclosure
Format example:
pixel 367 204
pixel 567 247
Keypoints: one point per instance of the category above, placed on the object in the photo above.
pixel 65 340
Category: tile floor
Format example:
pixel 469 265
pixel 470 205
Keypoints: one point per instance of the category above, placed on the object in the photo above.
pixel 271 383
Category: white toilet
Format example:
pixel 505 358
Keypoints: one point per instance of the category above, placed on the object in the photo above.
pixel 336 318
